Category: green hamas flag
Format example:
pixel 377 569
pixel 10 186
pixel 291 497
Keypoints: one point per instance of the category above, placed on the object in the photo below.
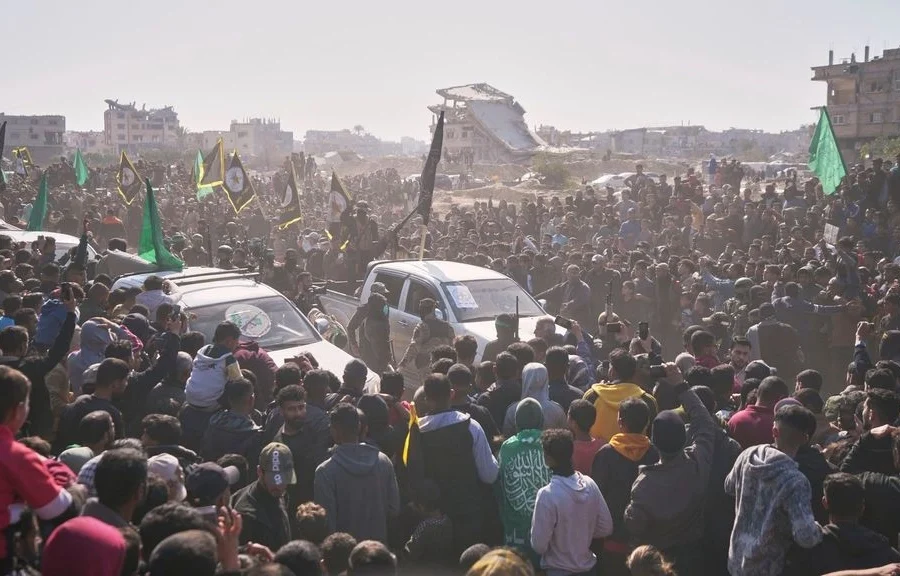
pixel 39 211
pixel 825 158
pixel 151 247
pixel 202 191
pixel 81 170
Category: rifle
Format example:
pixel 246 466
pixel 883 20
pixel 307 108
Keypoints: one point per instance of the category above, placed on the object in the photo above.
pixel 517 319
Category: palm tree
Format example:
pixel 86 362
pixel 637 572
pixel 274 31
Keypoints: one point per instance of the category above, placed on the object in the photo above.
pixel 359 129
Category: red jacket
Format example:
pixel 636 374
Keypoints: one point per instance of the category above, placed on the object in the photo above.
pixel 253 358
pixel 752 425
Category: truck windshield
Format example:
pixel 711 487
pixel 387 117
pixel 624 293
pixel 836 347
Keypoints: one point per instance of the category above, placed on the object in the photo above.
pixel 271 322
pixel 478 300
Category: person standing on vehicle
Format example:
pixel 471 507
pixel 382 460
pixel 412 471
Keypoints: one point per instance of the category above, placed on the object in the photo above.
pixel 429 333
pixel 376 349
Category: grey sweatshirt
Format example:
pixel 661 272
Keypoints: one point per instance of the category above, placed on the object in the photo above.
pixel 358 490
pixel 568 514
pixel 772 511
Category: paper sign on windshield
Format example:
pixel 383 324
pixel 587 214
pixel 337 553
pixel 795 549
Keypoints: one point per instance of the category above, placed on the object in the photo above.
pixel 462 297
pixel 253 322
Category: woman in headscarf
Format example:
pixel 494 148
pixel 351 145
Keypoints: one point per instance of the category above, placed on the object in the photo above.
pixel 535 384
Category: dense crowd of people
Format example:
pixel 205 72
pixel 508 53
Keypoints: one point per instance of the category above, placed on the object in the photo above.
pixel 718 393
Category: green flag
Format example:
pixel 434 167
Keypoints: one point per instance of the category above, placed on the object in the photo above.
pixel 39 211
pixel 202 191
pixel 825 158
pixel 81 170
pixel 151 247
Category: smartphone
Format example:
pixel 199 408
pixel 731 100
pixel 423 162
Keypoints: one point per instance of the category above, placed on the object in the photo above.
pixel 614 327
pixel 657 372
pixel 643 330
pixel 564 322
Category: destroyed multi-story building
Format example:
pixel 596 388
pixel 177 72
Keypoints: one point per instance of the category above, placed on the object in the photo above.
pixel 863 98
pixel 132 129
pixel 484 125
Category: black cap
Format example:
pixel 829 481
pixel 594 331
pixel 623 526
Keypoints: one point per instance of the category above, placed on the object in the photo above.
pixel 206 482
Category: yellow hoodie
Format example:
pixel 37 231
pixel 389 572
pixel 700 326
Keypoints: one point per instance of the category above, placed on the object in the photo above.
pixel 606 399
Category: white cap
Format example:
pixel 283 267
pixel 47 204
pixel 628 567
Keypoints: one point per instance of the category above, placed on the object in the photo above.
pixel 168 468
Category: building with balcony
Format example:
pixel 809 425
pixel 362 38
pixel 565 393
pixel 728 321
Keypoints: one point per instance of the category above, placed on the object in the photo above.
pixel 863 98
pixel 484 125
pixel 128 128
pixel 43 135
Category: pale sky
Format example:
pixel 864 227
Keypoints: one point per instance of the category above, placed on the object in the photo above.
pixel 581 65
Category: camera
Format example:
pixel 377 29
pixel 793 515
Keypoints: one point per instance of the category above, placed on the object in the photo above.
pixel 319 290
pixel 658 371
pixel 563 322
pixel 614 327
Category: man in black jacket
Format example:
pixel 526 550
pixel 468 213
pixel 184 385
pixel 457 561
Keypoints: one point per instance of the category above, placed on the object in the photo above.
pixel 14 343
pixel 506 390
pixel 873 453
pixel 615 469
pixel 134 400
pixel 261 504
pixel 846 544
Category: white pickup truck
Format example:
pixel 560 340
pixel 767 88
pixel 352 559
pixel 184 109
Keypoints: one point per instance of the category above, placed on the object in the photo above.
pixel 469 298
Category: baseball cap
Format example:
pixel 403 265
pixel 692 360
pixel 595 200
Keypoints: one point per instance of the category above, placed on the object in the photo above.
pixel 277 464
pixel 169 469
pixel 206 481
pixel 379 288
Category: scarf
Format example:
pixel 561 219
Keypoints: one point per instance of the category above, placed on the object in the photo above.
pixel 630 445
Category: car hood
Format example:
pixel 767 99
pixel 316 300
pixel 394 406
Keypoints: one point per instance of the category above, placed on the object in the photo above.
pixel 484 331
pixel 329 357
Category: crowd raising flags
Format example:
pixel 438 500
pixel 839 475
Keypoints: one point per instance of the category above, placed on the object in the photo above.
pixel 290 202
pixel 151 247
pixel 39 211
pixel 81 169
pixel 426 195
pixel 213 169
pixel 237 184
pixel 825 158
pixel 197 177
pixel 128 180
pixel 339 201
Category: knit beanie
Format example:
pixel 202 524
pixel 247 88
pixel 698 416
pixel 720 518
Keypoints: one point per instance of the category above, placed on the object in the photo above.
pixel 668 432
pixel 529 415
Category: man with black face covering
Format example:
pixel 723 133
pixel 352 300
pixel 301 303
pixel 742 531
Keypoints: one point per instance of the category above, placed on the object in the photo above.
pixel 376 346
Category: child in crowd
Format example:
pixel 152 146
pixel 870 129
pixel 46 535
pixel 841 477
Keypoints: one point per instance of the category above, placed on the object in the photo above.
pixel 582 415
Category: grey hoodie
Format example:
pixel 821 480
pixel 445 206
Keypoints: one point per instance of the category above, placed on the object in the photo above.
pixel 772 510
pixel 358 490
pixel 536 384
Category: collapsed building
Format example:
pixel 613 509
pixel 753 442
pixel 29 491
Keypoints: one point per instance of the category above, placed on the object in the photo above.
pixel 484 125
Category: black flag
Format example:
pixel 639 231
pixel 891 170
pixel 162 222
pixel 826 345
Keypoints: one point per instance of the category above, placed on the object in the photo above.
pixel 290 202
pixel 2 142
pixel 128 180
pixel 426 194
pixel 237 184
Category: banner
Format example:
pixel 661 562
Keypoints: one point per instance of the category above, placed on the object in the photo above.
pixel 426 194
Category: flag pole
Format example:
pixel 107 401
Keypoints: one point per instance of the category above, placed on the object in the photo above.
pixel 424 231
